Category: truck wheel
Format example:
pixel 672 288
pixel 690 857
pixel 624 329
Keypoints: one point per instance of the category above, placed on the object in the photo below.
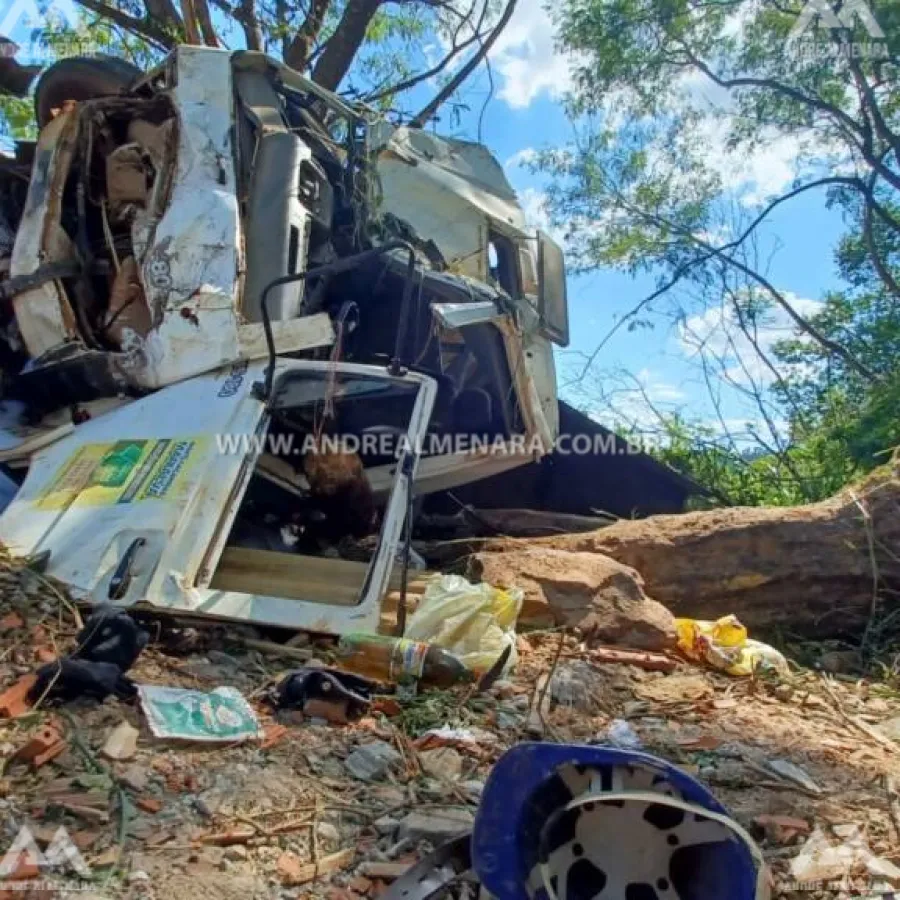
pixel 80 78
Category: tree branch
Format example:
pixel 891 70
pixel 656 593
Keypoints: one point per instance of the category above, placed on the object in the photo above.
pixel 145 28
pixel 344 44
pixel 189 17
pixel 424 115
pixel 299 49
pixel 210 38
pixel 884 273
pixel 428 73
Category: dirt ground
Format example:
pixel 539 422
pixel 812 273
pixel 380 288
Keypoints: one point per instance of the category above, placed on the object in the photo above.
pixel 285 818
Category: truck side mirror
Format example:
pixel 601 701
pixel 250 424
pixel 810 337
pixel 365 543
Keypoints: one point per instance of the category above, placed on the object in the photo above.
pixel 553 306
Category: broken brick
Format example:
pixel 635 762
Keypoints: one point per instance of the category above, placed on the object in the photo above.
pixel 782 829
pixel 149 804
pixel 14 701
pixel 47 744
pixel 11 621
pixel 272 735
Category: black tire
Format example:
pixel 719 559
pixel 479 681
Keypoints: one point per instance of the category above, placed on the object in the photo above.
pixel 80 78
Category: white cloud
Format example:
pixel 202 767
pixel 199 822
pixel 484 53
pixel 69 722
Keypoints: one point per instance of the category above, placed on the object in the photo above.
pixel 526 59
pixel 717 332
pixel 757 173
pixel 521 158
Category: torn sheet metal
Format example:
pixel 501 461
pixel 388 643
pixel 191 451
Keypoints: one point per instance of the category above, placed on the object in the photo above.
pixel 156 484
pixel 44 315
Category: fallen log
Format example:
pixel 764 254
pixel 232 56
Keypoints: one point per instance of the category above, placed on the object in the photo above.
pixel 819 570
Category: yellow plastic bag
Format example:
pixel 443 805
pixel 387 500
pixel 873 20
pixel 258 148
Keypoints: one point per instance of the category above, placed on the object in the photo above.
pixel 724 645
pixel 475 622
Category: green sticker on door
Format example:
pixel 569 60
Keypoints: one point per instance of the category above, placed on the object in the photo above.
pixel 122 472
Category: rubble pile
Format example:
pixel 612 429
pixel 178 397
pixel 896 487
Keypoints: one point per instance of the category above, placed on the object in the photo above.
pixel 340 809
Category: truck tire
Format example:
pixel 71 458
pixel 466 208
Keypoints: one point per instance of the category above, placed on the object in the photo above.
pixel 80 78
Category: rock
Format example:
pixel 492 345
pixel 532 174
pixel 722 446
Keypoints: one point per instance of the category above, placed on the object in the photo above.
pixel 328 832
pixel 135 777
pixel 782 830
pixel 534 725
pixel 360 884
pixel 473 788
pixel 508 719
pixel 435 826
pixel 840 662
pixel 121 742
pixel 371 762
pixel 389 796
pixel 890 728
pixel 212 855
pixel 385 871
pixel 792 772
pixel 291 869
pixel 442 762
pixel 572 685
pixel 603 598
pixel 386 825
pixel 236 852
pixel 504 690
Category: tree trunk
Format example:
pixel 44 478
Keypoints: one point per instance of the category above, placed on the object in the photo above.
pixel 344 44
pixel 817 571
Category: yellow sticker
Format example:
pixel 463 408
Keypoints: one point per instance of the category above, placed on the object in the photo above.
pixel 123 472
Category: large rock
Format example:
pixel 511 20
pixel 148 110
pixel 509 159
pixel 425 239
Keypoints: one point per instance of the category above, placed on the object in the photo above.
pixel 600 597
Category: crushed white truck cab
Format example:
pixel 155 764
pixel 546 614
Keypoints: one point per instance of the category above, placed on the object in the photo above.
pixel 223 214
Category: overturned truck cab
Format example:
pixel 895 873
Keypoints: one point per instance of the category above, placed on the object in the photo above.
pixel 223 222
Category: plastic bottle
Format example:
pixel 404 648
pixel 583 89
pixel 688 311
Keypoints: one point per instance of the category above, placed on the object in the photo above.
pixel 385 658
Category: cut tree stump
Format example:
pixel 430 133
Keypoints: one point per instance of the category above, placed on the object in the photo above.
pixel 805 570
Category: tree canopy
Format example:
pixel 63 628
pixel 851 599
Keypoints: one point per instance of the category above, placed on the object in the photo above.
pixel 391 54
pixel 659 84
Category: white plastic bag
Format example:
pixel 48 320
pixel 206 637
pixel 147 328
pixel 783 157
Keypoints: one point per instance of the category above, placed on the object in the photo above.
pixel 475 622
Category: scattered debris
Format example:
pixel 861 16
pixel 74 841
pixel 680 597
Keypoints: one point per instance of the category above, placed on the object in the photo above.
pixel 475 622
pixel 122 742
pixel 221 715
pixel 725 645
pixel 675 689
pixel 293 871
pixel 436 825
pixel 784 768
pixel 14 701
pixel 621 734
pixel 42 747
pixel 442 762
pixel 376 791
pixel 371 762
pixel 325 693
